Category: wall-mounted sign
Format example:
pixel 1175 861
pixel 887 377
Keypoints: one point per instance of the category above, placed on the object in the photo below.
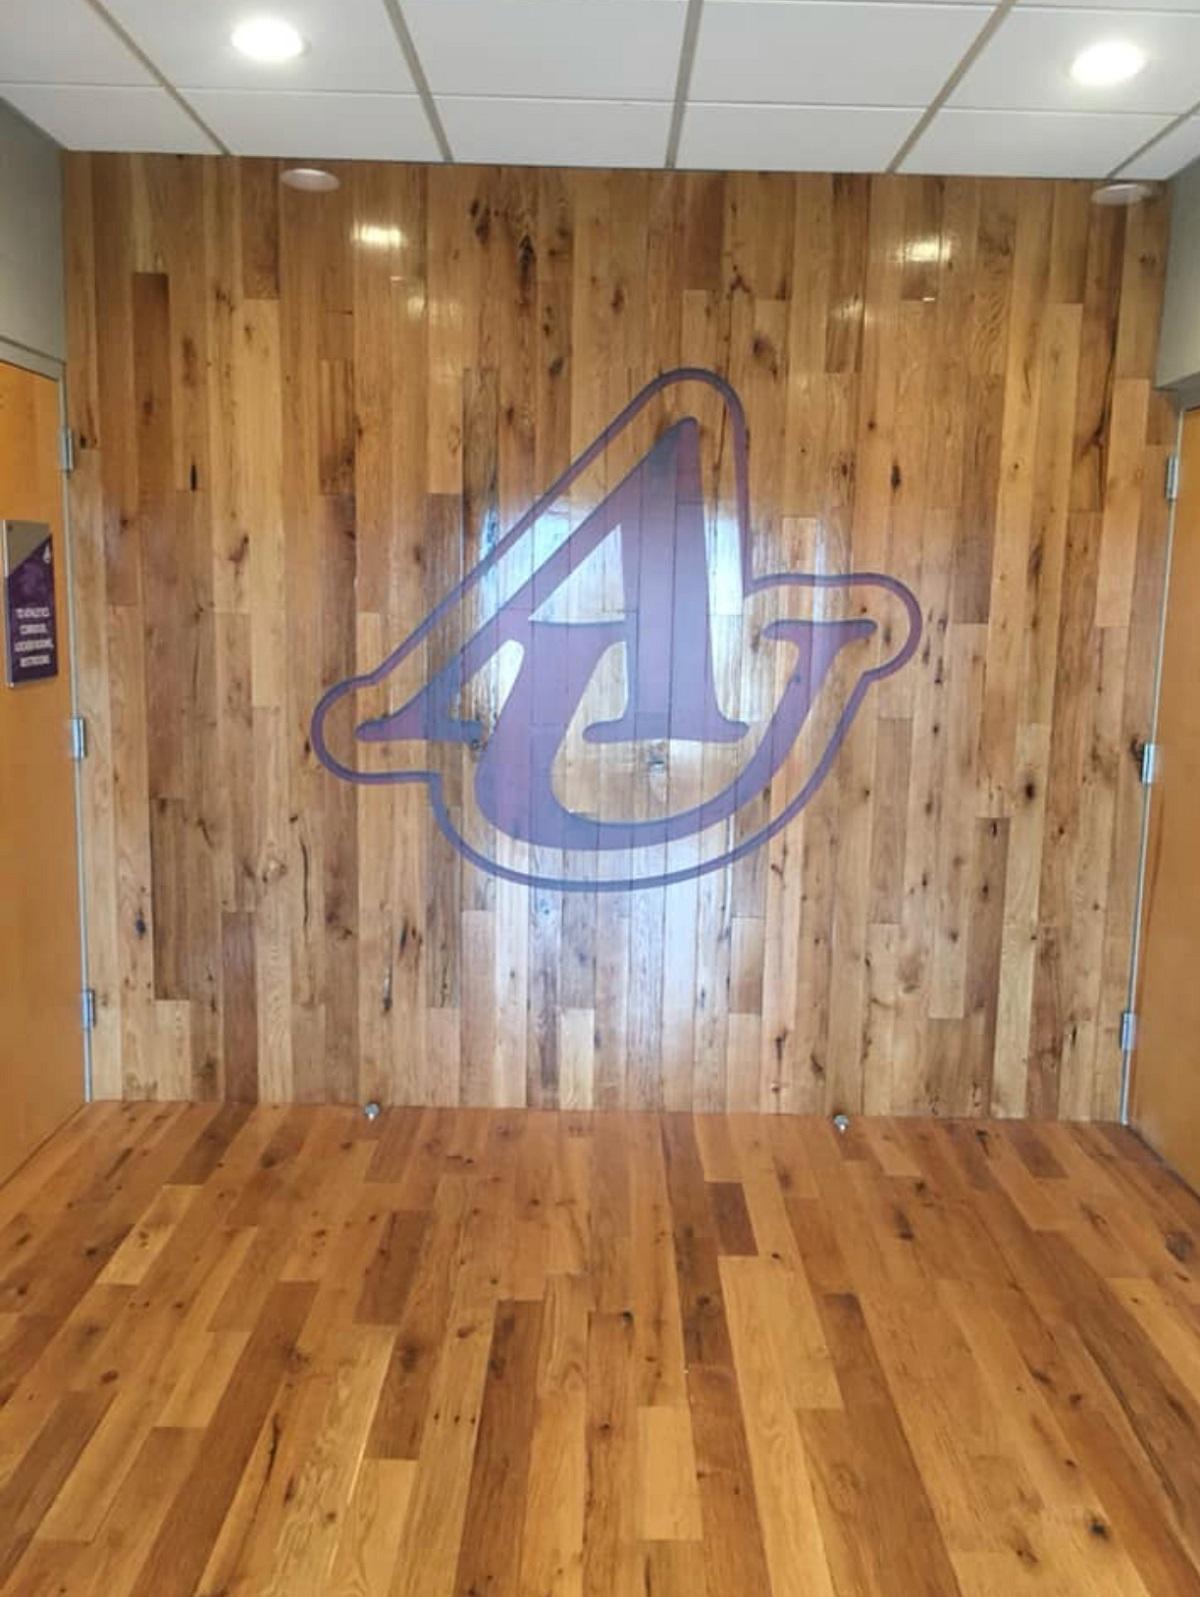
pixel 30 625
pixel 632 699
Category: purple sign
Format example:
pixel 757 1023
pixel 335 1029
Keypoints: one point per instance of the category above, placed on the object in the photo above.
pixel 31 632
pixel 577 666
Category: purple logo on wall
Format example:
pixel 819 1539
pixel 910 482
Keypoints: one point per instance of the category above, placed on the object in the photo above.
pixel 615 696
pixel 30 624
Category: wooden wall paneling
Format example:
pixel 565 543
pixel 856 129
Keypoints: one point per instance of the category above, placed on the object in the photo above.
pixel 97 837
pixel 373 426
pixel 513 279
pixel 304 419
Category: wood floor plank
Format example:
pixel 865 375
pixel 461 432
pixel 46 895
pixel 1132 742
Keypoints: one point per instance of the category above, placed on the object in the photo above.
pixel 675 1569
pixel 180 1550
pixel 1137 1488
pixel 37 1479
pixel 980 1486
pixel 390 1277
pixel 733 1535
pixel 1158 1406
pixel 278 1352
pixel 1069 1499
pixel 58 1263
pixel 372 1528
pixel 431 1544
pixel 1166 1326
pixel 320 1489
pixel 657 1324
pixel 881 1534
pixel 735 1232
pixel 44 1361
pixel 490 1559
pixel 400 1417
pixel 49 1176
pixel 610 1561
pixel 792 1535
pixel 48 1569
pixel 333 1361
pixel 206 1153
pixel 123 1542
pixel 555 1502
pixel 149 1237
pixel 668 1499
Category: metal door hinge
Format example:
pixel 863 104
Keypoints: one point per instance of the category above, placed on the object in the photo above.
pixel 87 1008
pixel 1171 485
pixel 78 737
pixel 1128 1030
pixel 66 450
pixel 1151 762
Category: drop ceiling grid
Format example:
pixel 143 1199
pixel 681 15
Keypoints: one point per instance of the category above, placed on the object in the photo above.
pixel 946 85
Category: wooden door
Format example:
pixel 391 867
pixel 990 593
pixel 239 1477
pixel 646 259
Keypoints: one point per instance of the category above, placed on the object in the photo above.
pixel 41 1052
pixel 1166 1072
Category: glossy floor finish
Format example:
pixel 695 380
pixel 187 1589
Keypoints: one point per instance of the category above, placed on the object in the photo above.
pixel 475 1354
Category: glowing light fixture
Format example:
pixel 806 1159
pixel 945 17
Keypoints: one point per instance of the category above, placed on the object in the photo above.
pixel 309 178
pixel 1111 61
pixel 1121 193
pixel 267 39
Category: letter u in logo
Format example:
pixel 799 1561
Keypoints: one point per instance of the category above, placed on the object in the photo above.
pixel 618 695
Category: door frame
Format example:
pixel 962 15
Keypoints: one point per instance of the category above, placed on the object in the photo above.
pixel 40 365
pixel 1186 405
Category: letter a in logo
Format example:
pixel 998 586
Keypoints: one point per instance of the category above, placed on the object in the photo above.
pixel 616 696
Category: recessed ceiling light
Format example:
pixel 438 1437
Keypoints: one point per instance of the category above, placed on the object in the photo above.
pixel 1111 61
pixel 312 179
pixel 1121 193
pixel 268 39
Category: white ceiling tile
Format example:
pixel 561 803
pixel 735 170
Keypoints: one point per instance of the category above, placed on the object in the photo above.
pixel 93 117
pixel 1117 6
pixel 1171 154
pixel 793 138
pixel 350 127
pixel 801 53
pixel 1026 65
pixel 62 41
pixel 351 44
pixel 570 49
pixel 990 4
pixel 557 132
pixel 1029 143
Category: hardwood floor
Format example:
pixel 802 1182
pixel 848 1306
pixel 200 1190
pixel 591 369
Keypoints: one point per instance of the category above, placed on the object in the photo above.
pixel 503 1354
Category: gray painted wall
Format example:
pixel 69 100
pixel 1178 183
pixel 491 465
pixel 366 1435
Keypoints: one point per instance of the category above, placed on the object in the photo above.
pixel 1179 341
pixel 31 252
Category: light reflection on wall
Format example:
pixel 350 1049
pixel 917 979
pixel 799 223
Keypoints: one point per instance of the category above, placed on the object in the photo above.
pixel 923 251
pixel 374 236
